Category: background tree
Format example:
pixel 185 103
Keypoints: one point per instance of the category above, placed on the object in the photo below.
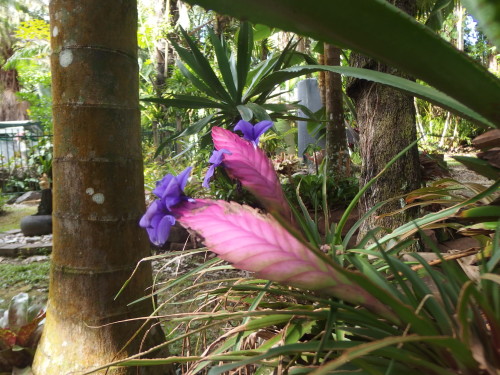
pixel 386 120
pixel 98 188
pixel 336 143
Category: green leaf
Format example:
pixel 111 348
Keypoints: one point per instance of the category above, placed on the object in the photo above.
pixel 408 229
pixel 439 13
pixel 364 349
pixel 479 166
pixel 199 84
pixel 245 112
pixel 495 252
pixel 190 130
pixel 405 85
pixel 261 32
pixel 380 30
pixel 244 56
pixel 185 101
pixel 223 62
pixel 204 70
pixel 482 212
pixel 259 112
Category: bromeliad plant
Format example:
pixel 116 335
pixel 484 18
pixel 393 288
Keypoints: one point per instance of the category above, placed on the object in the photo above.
pixel 326 308
pixel 20 329
pixel 235 87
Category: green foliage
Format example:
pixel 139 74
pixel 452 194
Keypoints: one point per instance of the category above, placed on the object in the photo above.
pixel 445 316
pixel 233 88
pixel 419 51
pixel 310 189
pixel 29 274
pixel 40 157
pixel 31 60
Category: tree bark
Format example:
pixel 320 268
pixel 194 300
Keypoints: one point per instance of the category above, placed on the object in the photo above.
pixel 386 119
pixel 336 142
pixel 98 190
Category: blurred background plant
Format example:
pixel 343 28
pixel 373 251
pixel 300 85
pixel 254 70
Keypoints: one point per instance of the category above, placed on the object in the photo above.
pixel 20 330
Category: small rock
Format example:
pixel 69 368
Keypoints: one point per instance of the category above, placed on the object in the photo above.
pixel 13 231
pixel 29 196
pixel 33 239
pixel 35 258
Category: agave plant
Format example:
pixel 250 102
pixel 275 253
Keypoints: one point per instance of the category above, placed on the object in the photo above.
pixel 20 329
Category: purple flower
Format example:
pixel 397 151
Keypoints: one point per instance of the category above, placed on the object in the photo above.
pixel 158 218
pixel 216 160
pixel 253 132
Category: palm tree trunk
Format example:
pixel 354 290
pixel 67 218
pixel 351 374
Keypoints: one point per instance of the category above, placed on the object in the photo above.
pixel 98 189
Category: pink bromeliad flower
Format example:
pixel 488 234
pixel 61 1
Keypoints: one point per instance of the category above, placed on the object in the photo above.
pixel 245 237
pixel 253 169
pixel 257 243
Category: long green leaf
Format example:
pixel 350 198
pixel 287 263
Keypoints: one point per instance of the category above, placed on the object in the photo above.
pixel 204 70
pixel 439 13
pixel 245 112
pixel 364 349
pixel 190 130
pixel 259 112
pixel 223 62
pixel 198 83
pixel 380 30
pixel 410 87
pixel 244 56
pixel 185 101
pixel 408 229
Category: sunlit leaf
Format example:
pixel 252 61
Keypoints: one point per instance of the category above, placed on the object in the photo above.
pixel 380 30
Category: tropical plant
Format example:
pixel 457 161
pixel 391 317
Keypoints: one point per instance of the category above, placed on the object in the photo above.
pixel 420 52
pixel 360 309
pixel 20 329
pixel 234 88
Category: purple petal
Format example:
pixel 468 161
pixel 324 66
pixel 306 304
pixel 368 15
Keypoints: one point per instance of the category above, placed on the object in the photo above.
pixel 247 129
pixel 216 160
pixel 208 176
pixel 162 184
pixel 217 156
pixel 163 229
pixel 260 128
pixel 148 216
pixel 183 177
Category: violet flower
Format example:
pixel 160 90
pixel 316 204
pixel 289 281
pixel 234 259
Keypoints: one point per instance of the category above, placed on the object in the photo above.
pixel 216 160
pixel 158 218
pixel 253 132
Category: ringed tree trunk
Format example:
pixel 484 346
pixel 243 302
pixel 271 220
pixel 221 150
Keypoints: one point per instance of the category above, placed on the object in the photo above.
pixel 98 190
pixel 386 119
